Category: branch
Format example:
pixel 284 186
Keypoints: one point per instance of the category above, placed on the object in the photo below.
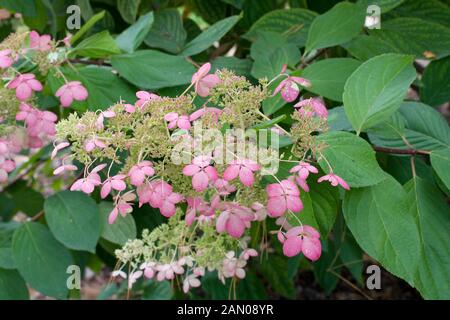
pixel 401 151
pixel 89 62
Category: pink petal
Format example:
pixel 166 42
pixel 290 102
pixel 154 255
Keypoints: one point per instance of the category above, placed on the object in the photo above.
pixel 235 226
pixel 311 248
pixel 200 181
pixel 246 176
pixel 276 206
pixel 231 172
pixel 190 170
pixel 292 246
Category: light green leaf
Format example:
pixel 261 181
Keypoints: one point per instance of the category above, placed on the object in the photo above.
pixel 151 69
pixel 425 129
pixel 41 260
pixel 373 92
pixel 440 160
pixel 351 158
pixel 291 23
pixel 122 230
pixel 435 88
pixel 12 286
pixel 132 37
pixel 338 25
pixel 325 204
pixel 379 220
pixel 100 45
pixel 209 36
pixel 73 218
pixel 328 76
pixel 430 211
pixel 128 9
pixel 87 26
pixel 167 32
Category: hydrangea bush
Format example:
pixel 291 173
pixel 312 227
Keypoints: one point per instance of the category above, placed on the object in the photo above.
pixel 220 149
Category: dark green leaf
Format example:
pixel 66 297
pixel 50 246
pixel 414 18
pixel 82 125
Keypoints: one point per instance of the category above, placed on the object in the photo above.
pixel 435 88
pixel 291 23
pixel 73 218
pixel 12 286
pixel 440 160
pixel 167 32
pixel 41 260
pixel 128 9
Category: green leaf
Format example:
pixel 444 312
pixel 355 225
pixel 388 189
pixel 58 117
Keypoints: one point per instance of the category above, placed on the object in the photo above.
pixel 239 66
pixel 167 32
pixel 414 36
pixel 151 69
pixel 338 121
pixel 209 36
pixel 338 25
pixel 440 160
pixel 73 218
pixel 435 88
pixel 364 47
pixel 385 5
pixel 373 92
pixel 426 129
pixel 122 230
pixel 156 290
pixel 291 23
pixel 128 9
pixel 132 37
pixel 325 204
pixel 6 233
pixel 275 271
pixel 87 26
pixel 25 199
pixel 430 211
pixel 431 10
pixel 327 267
pixel 41 260
pixel 270 52
pixel 100 45
pixel 328 76
pixel 351 158
pixel 12 286
pixel 104 87
pixel 379 220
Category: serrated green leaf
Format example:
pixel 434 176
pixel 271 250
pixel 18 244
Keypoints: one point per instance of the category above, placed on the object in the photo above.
pixel 328 76
pixel 431 10
pixel 41 260
pixel 351 158
pixel 87 26
pixel 373 92
pixel 338 25
pixel 132 37
pixel 239 66
pixel 209 36
pixel 73 218
pixel 291 23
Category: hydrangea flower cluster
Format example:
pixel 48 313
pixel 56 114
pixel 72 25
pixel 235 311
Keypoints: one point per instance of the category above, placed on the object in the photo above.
pixel 169 153
pixel 19 94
